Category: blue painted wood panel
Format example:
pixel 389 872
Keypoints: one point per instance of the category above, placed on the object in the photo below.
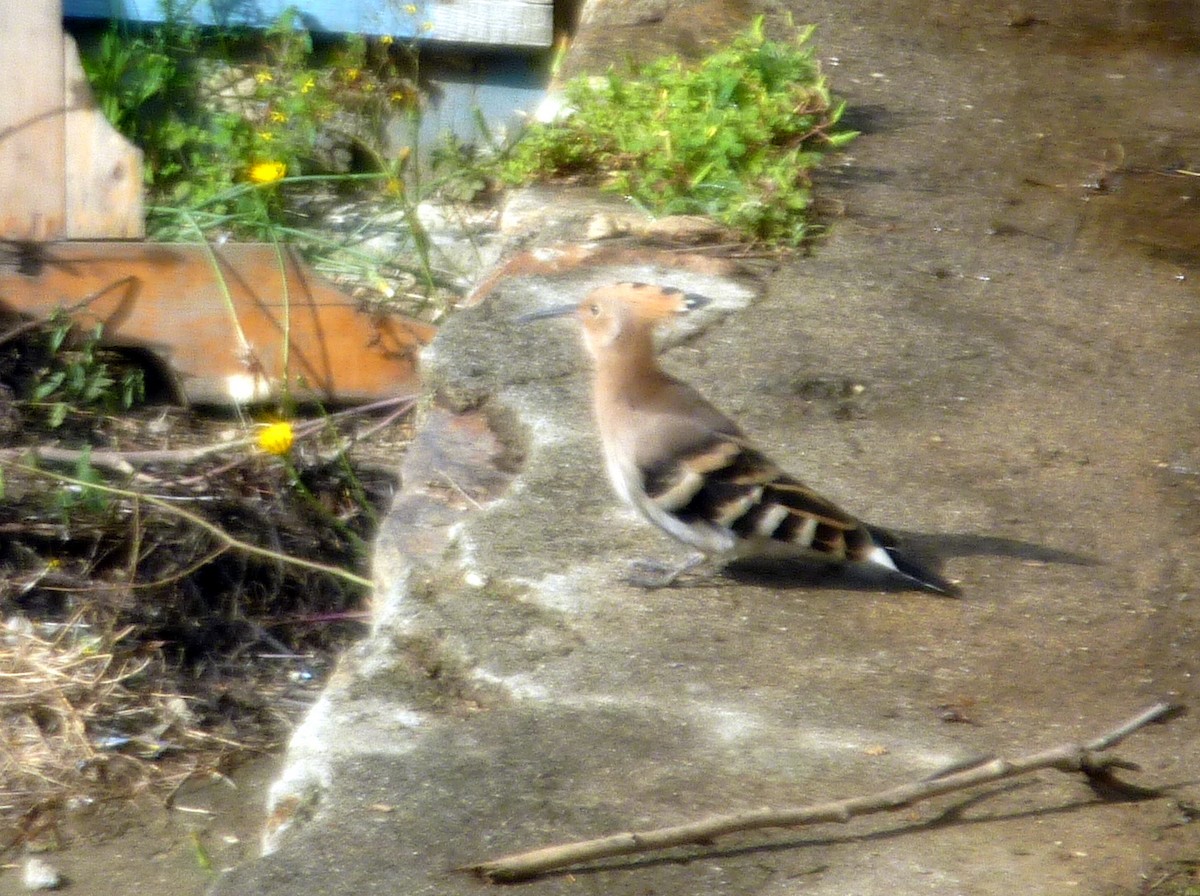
pixel 505 89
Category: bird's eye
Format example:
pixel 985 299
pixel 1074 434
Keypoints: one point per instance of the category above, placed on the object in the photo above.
pixel 593 309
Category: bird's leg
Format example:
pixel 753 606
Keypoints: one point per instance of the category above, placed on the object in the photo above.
pixel 651 574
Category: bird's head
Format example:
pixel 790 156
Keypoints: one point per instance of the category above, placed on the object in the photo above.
pixel 623 310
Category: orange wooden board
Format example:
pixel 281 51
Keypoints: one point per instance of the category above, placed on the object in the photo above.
pixel 169 300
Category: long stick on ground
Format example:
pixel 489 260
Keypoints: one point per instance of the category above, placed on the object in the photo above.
pixel 1082 758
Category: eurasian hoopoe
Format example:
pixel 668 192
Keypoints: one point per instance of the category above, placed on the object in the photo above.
pixel 688 468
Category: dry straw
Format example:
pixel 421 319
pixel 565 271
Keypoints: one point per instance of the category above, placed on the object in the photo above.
pixel 80 718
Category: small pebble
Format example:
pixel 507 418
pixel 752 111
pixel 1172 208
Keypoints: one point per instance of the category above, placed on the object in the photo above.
pixel 39 874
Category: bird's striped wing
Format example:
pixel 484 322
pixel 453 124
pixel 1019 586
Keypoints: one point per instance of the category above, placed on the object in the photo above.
pixel 721 482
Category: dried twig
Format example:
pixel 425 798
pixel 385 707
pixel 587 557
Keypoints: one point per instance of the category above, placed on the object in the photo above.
pixel 200 522
pixel 1068 758
pixel 126 462
pixel 123 462
pixel 62 697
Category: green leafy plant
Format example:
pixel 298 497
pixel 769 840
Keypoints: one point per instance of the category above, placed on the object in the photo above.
pixel 222 115
pixel 250 134
pixel 80 374
pixel 80 496
pixel 735 137
pixel 147 82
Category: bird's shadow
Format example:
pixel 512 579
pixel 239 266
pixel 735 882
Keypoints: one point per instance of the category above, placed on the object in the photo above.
pixel 922 546
pixel 928 550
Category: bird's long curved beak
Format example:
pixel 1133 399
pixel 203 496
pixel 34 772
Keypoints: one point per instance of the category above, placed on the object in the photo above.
pixel 555 311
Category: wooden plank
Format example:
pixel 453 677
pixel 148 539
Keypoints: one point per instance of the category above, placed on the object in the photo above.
pixel 32 98
pixel 167 300
pixel 527 23
pixel 492 23
pixel 504 88
pixel 104 170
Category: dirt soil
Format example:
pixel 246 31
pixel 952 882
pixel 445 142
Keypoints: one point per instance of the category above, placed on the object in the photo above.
pixel 149 669
pixel 141 846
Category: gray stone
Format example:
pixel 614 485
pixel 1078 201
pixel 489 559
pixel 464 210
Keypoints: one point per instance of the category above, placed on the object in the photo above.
pixel 38 874
pixel 1024 376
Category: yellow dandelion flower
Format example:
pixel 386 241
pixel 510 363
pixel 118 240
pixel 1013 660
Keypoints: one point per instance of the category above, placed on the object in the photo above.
pixel 308 85
pixel 276 438
pixel 387 40
pixel 352 74
pixel 263 77
pixel 267 172
pixel 411 9
pixel 278 117
pixel 266 136
pixel 427 26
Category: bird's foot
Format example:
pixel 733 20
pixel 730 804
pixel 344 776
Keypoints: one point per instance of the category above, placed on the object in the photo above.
pixel 652 574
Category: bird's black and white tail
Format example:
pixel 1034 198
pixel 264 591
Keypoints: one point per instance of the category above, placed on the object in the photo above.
pixel 886 554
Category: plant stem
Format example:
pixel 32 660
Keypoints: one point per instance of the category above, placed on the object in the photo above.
pixel 200 522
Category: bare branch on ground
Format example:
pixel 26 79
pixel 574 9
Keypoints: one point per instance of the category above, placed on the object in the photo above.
pixel 1083 758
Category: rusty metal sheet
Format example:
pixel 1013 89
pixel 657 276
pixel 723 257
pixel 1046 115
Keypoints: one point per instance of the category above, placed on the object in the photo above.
pixel 234 338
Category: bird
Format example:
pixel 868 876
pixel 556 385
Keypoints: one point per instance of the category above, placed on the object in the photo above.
pixel 689 469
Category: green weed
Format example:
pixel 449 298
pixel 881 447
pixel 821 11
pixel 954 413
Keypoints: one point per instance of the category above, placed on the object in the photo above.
pixel 80 375
pixel 249 134
pixel 735 137
pixel 222 113
pixel 73 499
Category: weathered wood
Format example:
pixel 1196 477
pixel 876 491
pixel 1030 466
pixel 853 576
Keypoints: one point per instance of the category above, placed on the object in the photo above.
pixel 511 23
pixel 276 328
pixel 103 169
pixel 65 173
pixel 32 148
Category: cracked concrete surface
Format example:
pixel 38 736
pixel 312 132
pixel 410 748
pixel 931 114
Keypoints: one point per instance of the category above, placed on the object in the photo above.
pixel 994 352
